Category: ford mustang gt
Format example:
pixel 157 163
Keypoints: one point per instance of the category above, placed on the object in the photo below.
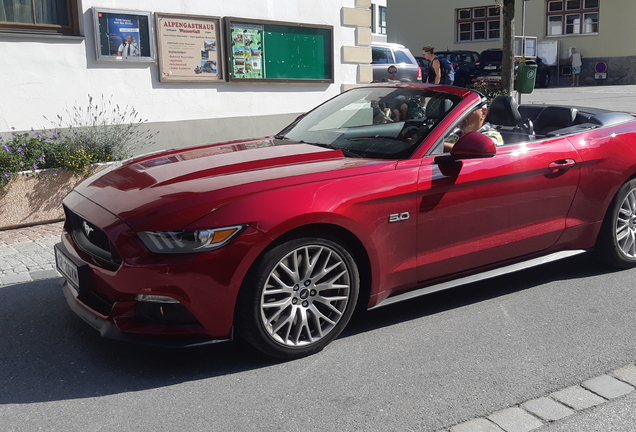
pixel 353 206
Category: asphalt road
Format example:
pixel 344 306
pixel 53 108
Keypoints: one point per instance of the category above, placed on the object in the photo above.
pixel 422 365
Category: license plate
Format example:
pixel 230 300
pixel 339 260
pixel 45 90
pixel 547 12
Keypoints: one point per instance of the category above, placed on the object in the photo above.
pixel 490 67
pixel 67 268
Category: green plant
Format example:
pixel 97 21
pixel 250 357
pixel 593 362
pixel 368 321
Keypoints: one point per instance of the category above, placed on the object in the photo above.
pixel 98 133
pixel 75 160
pixel 491 88
pixel 104 131
pixel 24 151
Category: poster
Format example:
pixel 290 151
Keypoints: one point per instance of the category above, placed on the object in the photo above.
pixel 189 48
pixel 247 50
pixel 123 35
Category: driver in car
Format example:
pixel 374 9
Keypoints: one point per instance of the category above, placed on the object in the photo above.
pixel 475 121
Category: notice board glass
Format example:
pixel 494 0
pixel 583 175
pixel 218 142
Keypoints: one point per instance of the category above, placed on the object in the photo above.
pixel 123 35
pixel 276 51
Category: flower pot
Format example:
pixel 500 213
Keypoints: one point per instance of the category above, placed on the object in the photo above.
pixel 36 198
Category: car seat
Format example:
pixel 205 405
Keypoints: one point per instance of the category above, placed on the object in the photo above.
pixel 553 118
pixel 504 114
pixel 436 108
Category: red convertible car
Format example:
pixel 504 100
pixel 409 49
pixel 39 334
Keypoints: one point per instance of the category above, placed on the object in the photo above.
pixel 353 206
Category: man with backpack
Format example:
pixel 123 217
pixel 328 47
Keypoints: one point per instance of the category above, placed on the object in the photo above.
pixel 441 70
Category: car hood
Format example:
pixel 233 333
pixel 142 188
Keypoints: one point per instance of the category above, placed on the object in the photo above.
pixel 171 189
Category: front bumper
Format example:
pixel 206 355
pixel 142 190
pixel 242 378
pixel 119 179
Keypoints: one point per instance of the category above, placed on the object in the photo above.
pixel 109 330
pixel 123 318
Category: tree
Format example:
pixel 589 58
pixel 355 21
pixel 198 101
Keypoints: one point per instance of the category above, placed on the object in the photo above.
pixel 507 66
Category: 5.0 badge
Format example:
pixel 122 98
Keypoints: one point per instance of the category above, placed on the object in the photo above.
pixel 398 217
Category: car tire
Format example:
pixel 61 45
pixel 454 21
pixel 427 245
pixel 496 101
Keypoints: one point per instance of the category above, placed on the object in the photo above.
pixel 298 297
pixel 616 244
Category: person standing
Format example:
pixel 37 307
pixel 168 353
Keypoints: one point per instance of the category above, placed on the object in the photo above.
pixel 576 60
pixel 434 70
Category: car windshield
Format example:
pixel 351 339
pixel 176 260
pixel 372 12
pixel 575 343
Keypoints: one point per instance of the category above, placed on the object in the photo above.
pixel 491 56
pixel 374 122
pixel 448 56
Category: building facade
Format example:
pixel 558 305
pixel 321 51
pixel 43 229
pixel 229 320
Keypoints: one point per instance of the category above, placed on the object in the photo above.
pixel 54 57
pixel 378 21
pixel 601 31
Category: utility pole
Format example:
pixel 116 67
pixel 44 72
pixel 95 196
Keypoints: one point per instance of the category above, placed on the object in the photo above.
pixel 507 67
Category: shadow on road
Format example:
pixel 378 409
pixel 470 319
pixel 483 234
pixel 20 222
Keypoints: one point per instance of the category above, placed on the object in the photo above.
pixel 48 354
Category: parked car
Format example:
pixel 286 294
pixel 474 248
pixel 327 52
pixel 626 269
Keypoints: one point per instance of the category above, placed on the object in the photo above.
pixel 384 55
pixel 464 64
pixel 423 64
pixel 489 63
pixel 280 239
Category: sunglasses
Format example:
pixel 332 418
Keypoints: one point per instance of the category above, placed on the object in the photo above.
pixel 392 72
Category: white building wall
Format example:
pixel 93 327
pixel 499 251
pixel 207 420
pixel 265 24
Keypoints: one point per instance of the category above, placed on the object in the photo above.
pixel 45 76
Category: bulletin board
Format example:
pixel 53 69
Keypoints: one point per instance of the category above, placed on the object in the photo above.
pixel 276 51
pixel 122 35
pixel 190 48
pixel 549 52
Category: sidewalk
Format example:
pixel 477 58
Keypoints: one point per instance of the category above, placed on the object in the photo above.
pixel 616 98
pixel 26 254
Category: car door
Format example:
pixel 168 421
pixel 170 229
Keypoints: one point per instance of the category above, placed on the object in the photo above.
pixel 476 212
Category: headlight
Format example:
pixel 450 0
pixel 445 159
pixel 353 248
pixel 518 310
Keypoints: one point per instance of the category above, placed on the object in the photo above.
pixel 183 242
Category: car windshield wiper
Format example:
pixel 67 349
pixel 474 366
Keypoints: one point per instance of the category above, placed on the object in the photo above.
pixel 346 152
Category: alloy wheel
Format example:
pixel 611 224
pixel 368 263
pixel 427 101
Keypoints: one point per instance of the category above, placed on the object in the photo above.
pixel 305 295
pixel 626 225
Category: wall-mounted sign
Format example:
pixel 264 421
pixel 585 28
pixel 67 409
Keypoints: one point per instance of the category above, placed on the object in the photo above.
pixel 275 51
pixel 190 48
pixel 122 35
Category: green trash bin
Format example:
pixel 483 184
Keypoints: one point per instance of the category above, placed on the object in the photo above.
pixel 526 76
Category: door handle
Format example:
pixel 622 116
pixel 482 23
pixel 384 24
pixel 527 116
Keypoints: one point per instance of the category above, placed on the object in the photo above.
pixel 561 164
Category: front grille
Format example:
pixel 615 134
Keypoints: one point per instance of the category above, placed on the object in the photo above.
pixel 91 239
pixel 96 236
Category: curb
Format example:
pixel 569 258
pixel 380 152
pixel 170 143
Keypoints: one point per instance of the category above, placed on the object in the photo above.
pixel 537 413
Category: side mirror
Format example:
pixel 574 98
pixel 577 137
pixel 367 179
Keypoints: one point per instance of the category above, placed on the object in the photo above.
pixel 473 145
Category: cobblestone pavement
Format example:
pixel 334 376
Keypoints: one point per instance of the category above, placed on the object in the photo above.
pixel 26 254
